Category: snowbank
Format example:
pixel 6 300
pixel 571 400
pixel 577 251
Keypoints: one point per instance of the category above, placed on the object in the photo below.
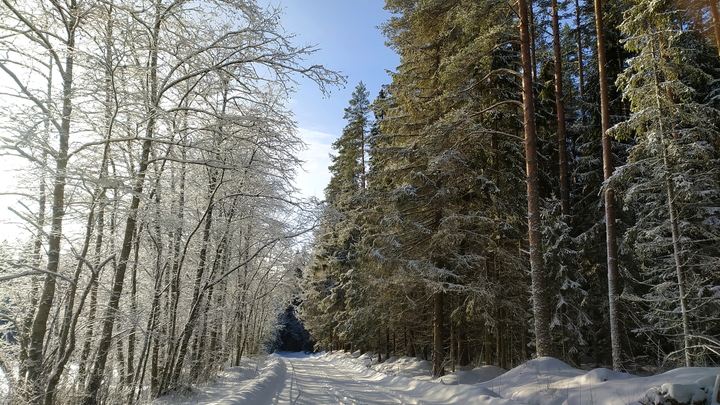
pixel 262 389
pixel 239 386
pixel 682 390
pixel 421 370
pixel 542 381
pixel 548 381
pixel 415 391
pixel 404 367
pixel 472 375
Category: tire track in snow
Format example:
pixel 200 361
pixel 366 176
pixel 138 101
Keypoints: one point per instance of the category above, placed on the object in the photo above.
pixel 312 381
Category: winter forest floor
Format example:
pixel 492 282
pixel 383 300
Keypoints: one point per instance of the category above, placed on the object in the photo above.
pixel 351 379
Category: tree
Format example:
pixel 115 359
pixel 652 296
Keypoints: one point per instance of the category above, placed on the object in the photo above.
pixel 348 169
pixel 337 240
pixel 613 273
pixel 560 106
pixel 671 176
pixel 541 311
pixel 57 42
pixel 444 168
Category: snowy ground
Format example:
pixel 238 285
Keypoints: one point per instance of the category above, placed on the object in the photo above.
pixel 341 378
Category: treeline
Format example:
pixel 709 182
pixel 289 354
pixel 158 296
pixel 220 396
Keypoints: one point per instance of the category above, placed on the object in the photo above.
pixel 157 157
pixel 539 178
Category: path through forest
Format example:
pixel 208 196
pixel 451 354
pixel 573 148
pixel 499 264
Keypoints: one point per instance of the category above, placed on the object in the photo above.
pixel 316 380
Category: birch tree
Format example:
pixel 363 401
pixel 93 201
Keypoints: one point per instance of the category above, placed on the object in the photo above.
pixel 136 84
pixel 52 29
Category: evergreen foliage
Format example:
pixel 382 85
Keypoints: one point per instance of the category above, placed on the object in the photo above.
pixel 671 179
pixel 438 231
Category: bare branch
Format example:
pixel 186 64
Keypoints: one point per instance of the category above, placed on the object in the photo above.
pixel 34 272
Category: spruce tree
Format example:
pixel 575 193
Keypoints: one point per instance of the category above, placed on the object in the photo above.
pixel 671 179
pixel 335 267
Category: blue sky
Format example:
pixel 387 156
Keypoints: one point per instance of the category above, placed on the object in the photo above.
pixel 349 41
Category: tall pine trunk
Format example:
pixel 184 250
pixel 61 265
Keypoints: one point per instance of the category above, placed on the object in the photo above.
pixel 581 67
pixel 560 106
pixel 541 309
pixel 613 273
pixel 712 4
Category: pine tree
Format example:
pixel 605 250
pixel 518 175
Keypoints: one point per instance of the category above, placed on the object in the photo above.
pixel 611 233
pixel 540 292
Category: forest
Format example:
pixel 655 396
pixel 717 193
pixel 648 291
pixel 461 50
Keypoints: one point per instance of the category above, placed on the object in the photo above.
pixel 537 179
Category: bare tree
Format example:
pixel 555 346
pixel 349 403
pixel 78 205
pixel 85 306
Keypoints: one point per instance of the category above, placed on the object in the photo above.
pixel 140 88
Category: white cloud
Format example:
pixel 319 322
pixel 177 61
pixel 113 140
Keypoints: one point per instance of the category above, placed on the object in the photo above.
pixel 314 176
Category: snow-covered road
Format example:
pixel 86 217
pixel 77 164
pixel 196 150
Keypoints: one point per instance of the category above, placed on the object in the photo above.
pixel 315 380
pixel 312 380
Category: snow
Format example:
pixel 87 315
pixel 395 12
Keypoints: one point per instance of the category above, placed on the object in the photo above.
pixel 472 375
pixel 4 388
pixel 344 378
pixel 248 384
pixel 421 370
pixel 404 366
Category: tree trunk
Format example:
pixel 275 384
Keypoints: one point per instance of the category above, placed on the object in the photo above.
pixel 675 230
pixel 677 256
pixel 560 106
pixel 581 68
pixel 463 352
pixel 453 346
pixel 438 331
pixel 532 40
pixel 716 21
pixel 541 309
pixel 67 330
pixel 95 380
pixel 177 251
pixel 610 218
pixel 35 287
pixel 151 342
pixel 134 313
pixel 34 376
pixel 175 362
